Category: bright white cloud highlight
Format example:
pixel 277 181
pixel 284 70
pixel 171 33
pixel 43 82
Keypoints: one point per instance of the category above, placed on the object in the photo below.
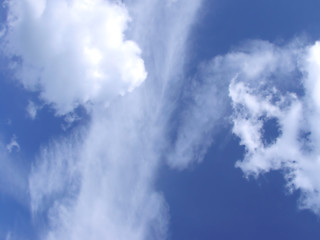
pixel 258 96
pixel 73 52
pixel 98 183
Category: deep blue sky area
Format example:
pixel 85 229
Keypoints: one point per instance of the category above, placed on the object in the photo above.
pixel 15 217
pixel 213 200
pixel 224 24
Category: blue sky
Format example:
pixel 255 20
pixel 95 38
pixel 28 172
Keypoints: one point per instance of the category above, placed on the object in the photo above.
pixel 159 119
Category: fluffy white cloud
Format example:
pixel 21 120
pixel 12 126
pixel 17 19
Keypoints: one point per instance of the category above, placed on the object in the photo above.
pixel 258 96
pixel 99 182
pixel 73 52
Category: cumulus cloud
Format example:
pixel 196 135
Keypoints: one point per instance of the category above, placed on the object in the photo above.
pixel 73 52
pixel 99 182
pixel 277 125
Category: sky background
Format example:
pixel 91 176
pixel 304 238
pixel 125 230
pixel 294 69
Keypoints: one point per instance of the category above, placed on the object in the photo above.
pixel 159 119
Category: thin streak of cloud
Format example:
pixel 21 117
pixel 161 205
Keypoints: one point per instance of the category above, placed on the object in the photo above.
pixel 99 182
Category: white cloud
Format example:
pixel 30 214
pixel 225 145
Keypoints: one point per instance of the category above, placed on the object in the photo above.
pixel 73 52
pixel 201 118
pixel 162 29
pixel 32 109
pixel 168 79
pixel 55 172
pixel 13 145
pixel 259 97
pixel 207 105
pixel 109 181
pixel 99 182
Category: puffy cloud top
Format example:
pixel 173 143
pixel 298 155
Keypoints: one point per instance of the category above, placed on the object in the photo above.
pixel 74 52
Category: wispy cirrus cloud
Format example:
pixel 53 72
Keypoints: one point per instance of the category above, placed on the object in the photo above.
pixel 98 182
pixel 124 62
